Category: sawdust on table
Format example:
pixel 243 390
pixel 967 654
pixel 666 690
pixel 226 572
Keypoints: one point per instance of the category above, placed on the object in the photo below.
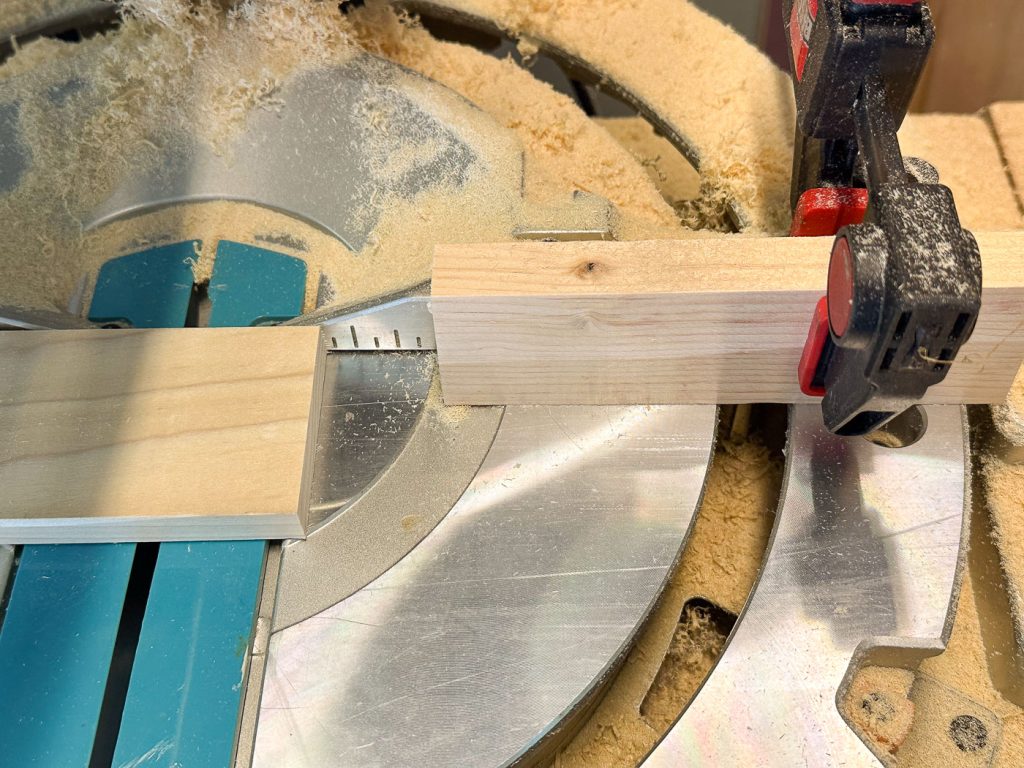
pixel 878 704
pixel 1004 491
pixel 954 687
pixel 1004 488
pixel 961 702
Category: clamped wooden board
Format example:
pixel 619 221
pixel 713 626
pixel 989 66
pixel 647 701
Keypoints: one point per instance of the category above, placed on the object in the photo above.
pixel 711 320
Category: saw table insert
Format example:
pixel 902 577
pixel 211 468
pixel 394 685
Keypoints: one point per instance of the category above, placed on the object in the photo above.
pixel 158 434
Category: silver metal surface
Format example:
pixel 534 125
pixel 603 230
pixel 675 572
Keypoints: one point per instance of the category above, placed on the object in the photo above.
pixel 399 324
pixel 418 460
pixel 15 157
pixel 257 658
pixel 370 406
pixel 307 158
pixel 862 568
pixel 510 613
pixel 562 235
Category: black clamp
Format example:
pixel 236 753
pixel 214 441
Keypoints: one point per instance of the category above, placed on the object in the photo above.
pixel 904 280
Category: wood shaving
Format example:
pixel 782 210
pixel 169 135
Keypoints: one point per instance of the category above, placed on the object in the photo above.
pixel 727 102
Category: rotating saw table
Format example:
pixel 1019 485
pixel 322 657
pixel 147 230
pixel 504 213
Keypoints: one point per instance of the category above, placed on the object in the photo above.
pixel 473 579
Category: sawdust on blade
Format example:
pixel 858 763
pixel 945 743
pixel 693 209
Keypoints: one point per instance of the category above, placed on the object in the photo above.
pixel 676 180
pixel 727 101
pixel 209 67
pixel 171 64
pixel 571 152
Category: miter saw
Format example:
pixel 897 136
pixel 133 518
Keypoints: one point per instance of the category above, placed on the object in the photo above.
pixel 472 580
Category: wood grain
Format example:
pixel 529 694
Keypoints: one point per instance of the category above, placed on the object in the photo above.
pixel 141 435
pixel 1007 119
pixel 713 320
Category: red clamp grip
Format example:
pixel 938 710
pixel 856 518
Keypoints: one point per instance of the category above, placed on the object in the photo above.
pixel 826 210
pixel 812 381
pixel 820 212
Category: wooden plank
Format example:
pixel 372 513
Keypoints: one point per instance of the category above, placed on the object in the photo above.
pixel 711 320
pixel 142 435
pixel 963 150
pixel 1008 125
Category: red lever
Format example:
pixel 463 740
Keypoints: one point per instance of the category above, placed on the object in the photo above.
pixel 811 379
pixel 826 210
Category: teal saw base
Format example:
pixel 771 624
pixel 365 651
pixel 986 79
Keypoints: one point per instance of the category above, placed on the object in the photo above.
pixel 254 286
pixel 190 664
pixel 56 645
pixel 148 289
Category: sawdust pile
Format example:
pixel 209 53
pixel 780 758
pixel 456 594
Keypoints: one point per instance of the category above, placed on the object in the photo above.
pixel 572 152
pixel 680 643
pixel 696 645
pixel 725 99
pixel 983 199
pixel 671 173
pixel 176 67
